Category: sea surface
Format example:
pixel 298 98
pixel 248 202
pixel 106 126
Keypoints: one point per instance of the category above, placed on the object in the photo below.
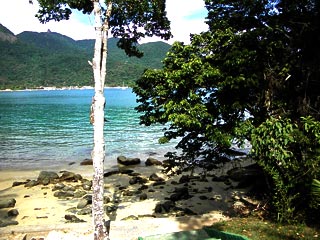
pixel 44 128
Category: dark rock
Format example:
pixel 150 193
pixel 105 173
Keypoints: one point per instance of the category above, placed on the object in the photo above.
pixel 128 193
pixel 31 183
pixel 154 177
pixel 79 194
pixel 13 213
pixel 138 179
pixel 143 187
pixel 143 196
pixel 86 162
pixel 203 197
pixel 123 187
pixel 82 203
pixel 180 194
pixel 106 199
pixel 128 171
pixel 70 176
pixel 7 203
pixel 89 198
pixel 58 186
pixel 110 173
pixel 15 184
pixel 219 179
pixel 131 217
pixel 85 211
pixel 158 184
pixel 128 161
pixel 5 223
pixel 63 194
pixel 165 207
pixel 110 209
pixel 86 185
pixel 188 211
pixel 69 188
pixel 46 177
pixel 248 172
pixel 73 218
pixel 152 161
pixel 184 179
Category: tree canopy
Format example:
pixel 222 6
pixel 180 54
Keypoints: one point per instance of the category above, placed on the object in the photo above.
pixel 252 75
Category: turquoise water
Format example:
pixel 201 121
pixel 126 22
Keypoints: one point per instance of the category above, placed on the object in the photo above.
pixel 51 128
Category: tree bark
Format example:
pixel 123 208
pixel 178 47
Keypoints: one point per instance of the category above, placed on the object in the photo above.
pixel 101 227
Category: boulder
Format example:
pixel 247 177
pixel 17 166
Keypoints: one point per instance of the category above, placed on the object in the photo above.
pixel 13 213
pixel 15 184
pixel 143 196
pixel 154 177
pixel 165 207
pixel 86 162
pixel 4 223
pixel 63 194
pixel 46 177
pixel 152 161
pixel 31 183
pixel 82 203
pixel 180 194
pixel 73 218
pixel 70 177
pixel 128 161
pixel 7 203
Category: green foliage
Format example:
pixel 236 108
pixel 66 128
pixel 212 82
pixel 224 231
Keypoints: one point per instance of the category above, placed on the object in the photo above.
pixel 51 59
pixel 288 154
pixel 257 70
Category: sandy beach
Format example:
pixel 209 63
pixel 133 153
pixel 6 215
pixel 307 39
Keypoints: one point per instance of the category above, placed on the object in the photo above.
pixel 137 203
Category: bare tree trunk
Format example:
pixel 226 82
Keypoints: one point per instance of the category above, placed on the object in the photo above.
pixel 101 227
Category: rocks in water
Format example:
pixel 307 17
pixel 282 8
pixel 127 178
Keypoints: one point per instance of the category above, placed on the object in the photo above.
pixel 7 203
pixel 152 161
pixel 86 162
pixel 128 161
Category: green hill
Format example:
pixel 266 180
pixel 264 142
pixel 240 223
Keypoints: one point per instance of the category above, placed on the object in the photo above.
pixel 32 59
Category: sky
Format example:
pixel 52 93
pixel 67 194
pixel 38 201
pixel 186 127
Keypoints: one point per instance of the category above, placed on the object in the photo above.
pixel 186 16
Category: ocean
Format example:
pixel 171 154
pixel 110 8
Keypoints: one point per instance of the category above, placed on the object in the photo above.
pixel 50 128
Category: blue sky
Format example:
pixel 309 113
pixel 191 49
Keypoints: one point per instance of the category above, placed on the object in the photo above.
pixel 184 20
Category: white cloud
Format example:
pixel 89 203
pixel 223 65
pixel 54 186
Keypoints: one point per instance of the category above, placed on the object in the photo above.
pixel 19 16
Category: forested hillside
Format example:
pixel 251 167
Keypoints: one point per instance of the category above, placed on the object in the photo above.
pixel 33 59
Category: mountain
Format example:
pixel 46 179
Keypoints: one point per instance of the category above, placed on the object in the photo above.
pixel 32 59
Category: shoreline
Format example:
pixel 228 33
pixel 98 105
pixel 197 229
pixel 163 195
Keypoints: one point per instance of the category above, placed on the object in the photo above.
pixel 133 206
pixel 62 88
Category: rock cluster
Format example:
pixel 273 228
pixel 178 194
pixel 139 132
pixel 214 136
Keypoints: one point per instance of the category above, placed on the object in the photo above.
pixel 69 186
